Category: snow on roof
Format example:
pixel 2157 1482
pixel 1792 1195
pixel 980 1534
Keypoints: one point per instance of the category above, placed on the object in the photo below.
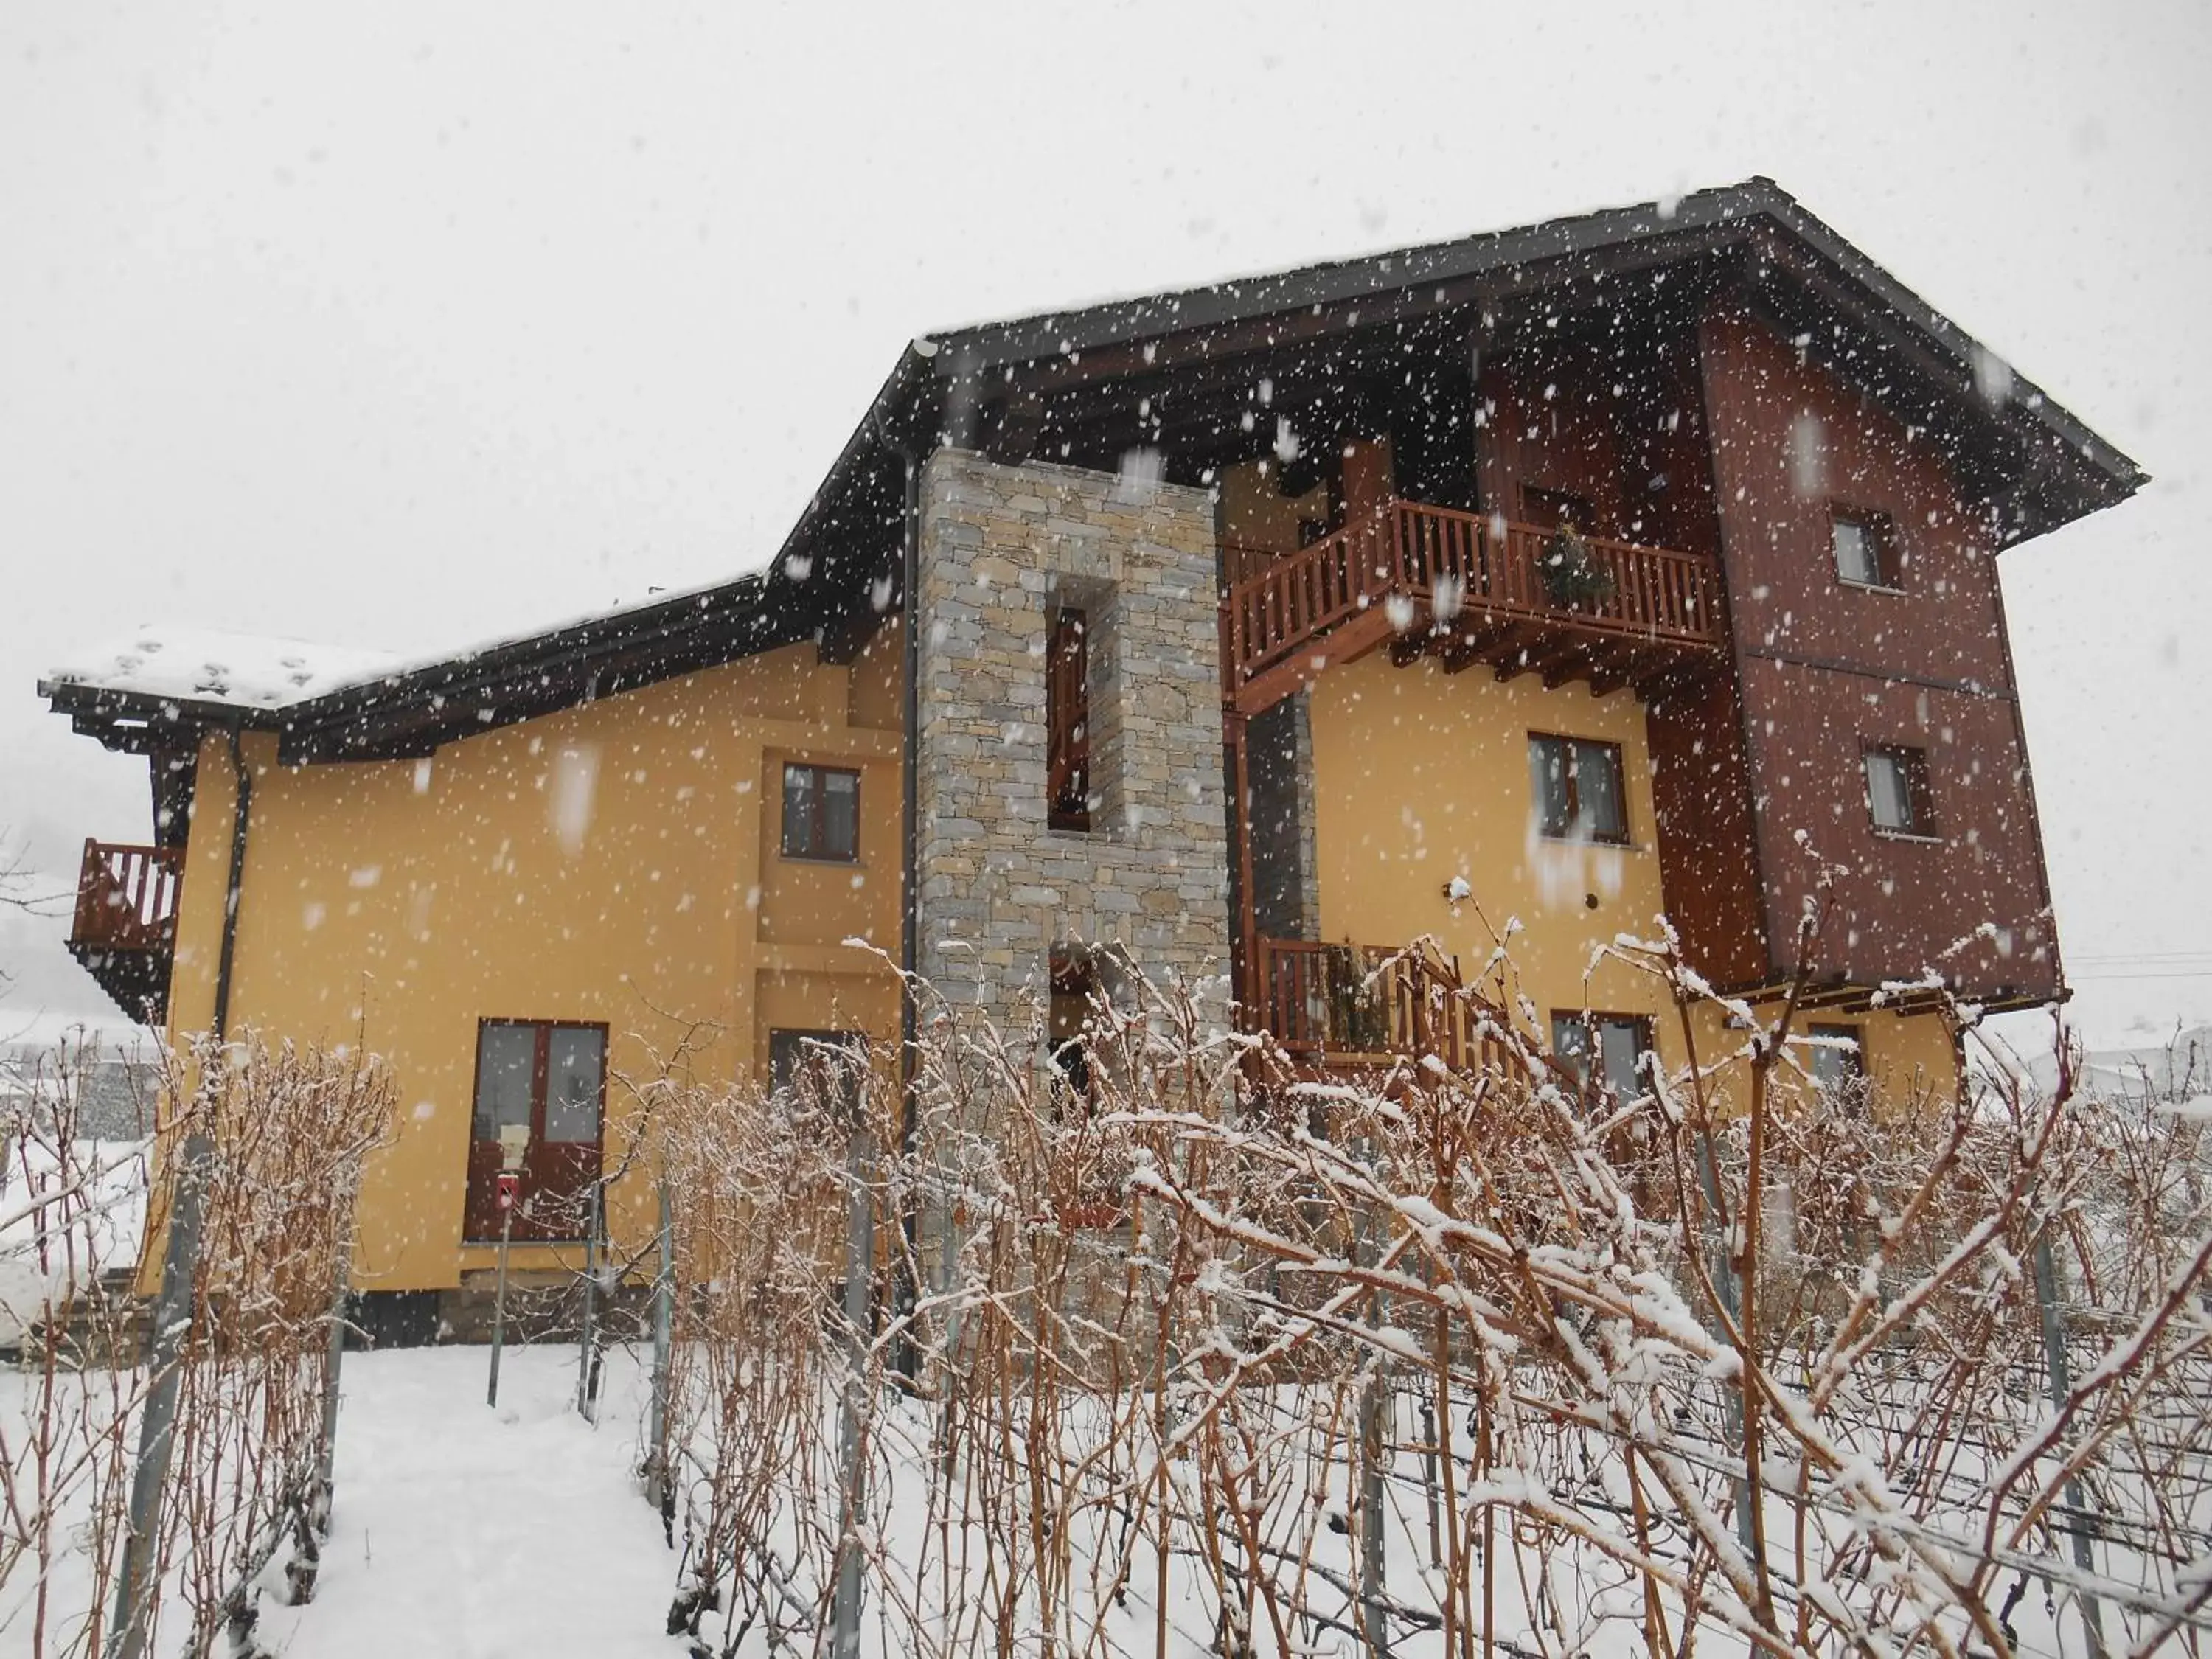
pixel 200 665
pixel 247 670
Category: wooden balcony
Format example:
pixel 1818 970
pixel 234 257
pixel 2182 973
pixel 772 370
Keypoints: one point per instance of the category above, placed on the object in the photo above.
pixel 1351 1006
pixel 1468 589
pixel 124 931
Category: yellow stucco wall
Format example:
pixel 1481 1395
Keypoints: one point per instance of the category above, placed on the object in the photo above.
pixel 1421 775
pixel 1910 1061
pixel 617 862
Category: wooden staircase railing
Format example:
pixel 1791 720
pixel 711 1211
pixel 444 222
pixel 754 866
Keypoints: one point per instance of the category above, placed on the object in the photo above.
pixel 1471 566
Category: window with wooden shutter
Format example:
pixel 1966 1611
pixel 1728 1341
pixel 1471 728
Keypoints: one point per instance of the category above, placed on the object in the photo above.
pixel 1067 721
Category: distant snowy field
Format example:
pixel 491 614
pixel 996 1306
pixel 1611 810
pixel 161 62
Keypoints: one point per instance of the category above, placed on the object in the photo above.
pixel 41 1256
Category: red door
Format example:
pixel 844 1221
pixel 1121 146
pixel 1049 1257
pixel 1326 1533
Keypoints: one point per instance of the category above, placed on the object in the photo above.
pixel 550 1077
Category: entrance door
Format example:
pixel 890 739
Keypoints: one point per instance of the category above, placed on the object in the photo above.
pixel 549 1077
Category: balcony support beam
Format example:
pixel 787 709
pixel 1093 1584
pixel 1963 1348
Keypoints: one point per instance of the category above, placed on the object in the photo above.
pixel 1484 644
pixel 1578 659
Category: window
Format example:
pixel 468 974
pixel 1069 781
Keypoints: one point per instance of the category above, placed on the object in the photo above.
pixel 831 1066
pixel 1621 1041
pixel 821 813
pixel 1836 1068
pixel 506 1079
pixel 1865 549
pixel 1897 788
pixel 1067 721
pixel 1579 789
pixel 1557 509
pixel 1074 983
pixel 548 1079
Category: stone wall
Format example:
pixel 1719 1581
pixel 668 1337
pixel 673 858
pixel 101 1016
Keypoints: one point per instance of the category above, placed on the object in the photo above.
pixel 998 891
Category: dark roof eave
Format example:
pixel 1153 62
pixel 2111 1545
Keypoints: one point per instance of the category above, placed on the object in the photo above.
pixel 1053 334
pixel 134 722
pixel 355 721
pixel 1113 322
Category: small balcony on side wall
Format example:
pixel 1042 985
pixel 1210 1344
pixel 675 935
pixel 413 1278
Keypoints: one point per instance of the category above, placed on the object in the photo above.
pixel 124 931
pixel 1468 588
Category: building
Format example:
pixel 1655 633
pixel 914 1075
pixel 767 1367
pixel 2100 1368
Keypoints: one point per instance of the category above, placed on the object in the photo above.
pixel 1631 564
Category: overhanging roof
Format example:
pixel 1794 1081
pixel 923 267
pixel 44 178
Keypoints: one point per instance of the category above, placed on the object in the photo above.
pixel 2065 468
pixel 828 581
pixel 413 710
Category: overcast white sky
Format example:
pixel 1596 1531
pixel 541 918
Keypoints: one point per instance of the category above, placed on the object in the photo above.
pixel 401 324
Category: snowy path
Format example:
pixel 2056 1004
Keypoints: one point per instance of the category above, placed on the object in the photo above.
pixel 478 1534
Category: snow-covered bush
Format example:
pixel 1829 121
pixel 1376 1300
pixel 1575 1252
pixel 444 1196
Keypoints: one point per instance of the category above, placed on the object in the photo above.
pixel 273 1143
pixel 1213 1354
pixel 757 1222
pixel 276 1138
pixel 70 1209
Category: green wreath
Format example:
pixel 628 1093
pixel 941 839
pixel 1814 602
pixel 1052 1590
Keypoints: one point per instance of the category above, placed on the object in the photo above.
pixel 1574 577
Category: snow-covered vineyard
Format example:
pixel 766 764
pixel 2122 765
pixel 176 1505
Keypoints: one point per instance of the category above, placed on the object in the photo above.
pixel 1449 1362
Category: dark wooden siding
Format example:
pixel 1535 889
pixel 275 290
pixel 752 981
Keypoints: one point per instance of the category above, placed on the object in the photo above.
pixel 1569 439
pixel 1826 669
pixel 1628 432
pixel 1708 855
pixel 1277 866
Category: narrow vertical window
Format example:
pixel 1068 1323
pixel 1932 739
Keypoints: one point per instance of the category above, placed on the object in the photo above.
pixel 507 1070
pixel 1067 721
pixel 1864 549
pixel 1074 984
pixel 1547 782
pixel 1898 798
pixel 573 1057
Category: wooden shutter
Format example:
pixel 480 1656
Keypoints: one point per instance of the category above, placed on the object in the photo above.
pixel 1067 722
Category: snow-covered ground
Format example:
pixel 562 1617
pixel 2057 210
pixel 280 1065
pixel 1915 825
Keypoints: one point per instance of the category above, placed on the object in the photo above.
pixel 458 1530
pixel 471 1532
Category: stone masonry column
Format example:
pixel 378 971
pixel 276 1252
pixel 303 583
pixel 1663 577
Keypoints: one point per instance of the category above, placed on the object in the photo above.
pixel 998 891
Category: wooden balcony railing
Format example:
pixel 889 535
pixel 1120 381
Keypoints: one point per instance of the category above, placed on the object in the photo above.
pixel 1464 569
pixel 126 898
pixel 1348 1002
